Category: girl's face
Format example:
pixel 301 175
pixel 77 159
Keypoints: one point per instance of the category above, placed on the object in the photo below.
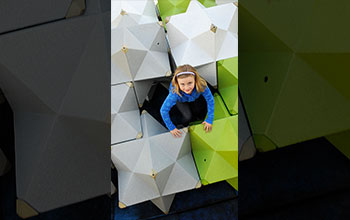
pixel 186 84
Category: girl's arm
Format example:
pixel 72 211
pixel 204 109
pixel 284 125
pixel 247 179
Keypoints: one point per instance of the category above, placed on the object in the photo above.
pixel 169 102
pixel 210 105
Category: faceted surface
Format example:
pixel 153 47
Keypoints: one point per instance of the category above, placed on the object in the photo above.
pixel 216 152
pixel 228 83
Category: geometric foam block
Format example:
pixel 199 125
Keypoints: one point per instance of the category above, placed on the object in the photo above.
pixel 125 120
pixel 139 49
pixel 228 83
pixel 294 86
pixel 59 103
pixel 154 168
pixel 213 38
pixel 216 152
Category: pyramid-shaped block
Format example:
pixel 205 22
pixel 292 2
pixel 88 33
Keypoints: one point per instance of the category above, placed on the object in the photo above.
pixel 228 83
pixel 216 152
pixel 59 110
pixel 125 120
pixel 139 48
pixel 293 71
pixel 154 168
pixel 213 38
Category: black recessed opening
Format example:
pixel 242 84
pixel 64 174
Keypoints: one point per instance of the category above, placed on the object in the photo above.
pixel 266 79
pixel 205 160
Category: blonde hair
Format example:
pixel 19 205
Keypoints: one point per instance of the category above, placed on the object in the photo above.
pixel 200 83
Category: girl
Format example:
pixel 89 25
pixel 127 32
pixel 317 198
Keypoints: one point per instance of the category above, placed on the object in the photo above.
pixel 185 92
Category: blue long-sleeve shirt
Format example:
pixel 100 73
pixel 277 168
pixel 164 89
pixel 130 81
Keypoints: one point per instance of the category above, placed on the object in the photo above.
pixel 172 98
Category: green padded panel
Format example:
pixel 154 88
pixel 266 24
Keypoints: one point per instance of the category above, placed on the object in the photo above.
pixel 228 83
pixel 291 86
pixel 341 142
pixel 220 110
pixel 216 152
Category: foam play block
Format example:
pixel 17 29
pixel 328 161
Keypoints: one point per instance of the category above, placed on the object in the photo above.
pixel 216 152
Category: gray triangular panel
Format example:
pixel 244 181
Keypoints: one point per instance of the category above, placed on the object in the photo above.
pixel 151 126
pixel 164 202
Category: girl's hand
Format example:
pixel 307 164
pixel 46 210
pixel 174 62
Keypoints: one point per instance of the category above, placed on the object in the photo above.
pixel 176 132
pixel 207 127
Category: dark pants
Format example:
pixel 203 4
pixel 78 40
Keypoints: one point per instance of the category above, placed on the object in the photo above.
pixel 185 112
pixel 180 114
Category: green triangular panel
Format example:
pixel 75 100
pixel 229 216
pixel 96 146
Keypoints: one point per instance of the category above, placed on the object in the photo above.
pixel 231 157
pixel 341 142
pixel 263 144
pixel 203 153
pixel 219 169
pixel 228 83
pixel 204 182
pixel 220 110
pixel 233 182
pixel 333 67
pixel 260 83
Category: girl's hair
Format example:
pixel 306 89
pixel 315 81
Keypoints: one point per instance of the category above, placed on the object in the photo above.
pixel 201 84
